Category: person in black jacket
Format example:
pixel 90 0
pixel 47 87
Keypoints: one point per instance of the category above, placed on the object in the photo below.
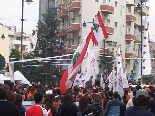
pixel 67 108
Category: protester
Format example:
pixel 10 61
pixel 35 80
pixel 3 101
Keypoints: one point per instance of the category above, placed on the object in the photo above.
pixel 37 109
pixel 11 85
pixel 140 102
pixel 18 86
pixel 68 108
pixel 19 105
pixel 130 102
pixel 7 108
pixel 151 106
pixel 113 106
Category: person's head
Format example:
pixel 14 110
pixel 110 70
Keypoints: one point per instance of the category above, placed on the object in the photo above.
pixel 78 97
pixel 68 98
pixel 25 90
pixel 96 98
pixel 106 95
pixel 11 96
pixel 58 101
pixel 141 99
pixel 2 94
pixel 115 95
pixel 38 97
pixel 89 90
pixel 48 101
pixel 11 85
pixel 18 100
pixel 151 94
pixel 83 102
pixel 18 84
pixel 50 87
pixel 126 91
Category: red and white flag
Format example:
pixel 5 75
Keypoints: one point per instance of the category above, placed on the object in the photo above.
pixel 98 30
pixel 73 68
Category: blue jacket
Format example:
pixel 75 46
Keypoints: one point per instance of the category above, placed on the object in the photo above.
pixel 113 108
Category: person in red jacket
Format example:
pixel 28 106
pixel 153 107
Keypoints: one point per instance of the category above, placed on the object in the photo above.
pixel 37 109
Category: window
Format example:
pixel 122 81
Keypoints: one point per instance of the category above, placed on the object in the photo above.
pixel 104 20
pixel 96 44
pixel 73 41
pixel 126 29
pixel 115 4
pixel 96 0
pixel 126 66
pixel 121 11
pixel 79 18
pixel 17 38
pixel 79 40
pixel 116 24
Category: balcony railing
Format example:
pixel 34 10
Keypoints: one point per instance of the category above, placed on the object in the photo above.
pixel 73 28
pixel 110 30
pixel 73 6
pixel 129 55
pixel 130 17
pixel 62 13
pixel 106 9
pixel 62 33
pixel 130 37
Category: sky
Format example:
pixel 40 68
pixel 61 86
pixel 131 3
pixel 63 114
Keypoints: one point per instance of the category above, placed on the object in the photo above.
pixel 10 14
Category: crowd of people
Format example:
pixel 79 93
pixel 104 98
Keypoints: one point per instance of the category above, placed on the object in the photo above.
pixel 77 101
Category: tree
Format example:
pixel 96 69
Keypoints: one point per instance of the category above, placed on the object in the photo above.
pixel 47 46
pixel 15 56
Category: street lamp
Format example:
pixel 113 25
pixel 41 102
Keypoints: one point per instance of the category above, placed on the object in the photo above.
pixel 29 2
pixel 139 7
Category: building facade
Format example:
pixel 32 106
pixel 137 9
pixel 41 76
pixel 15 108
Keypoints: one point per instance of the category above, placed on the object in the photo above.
pixel 121 19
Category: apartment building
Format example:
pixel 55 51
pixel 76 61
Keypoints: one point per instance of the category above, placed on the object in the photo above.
pixel 122 22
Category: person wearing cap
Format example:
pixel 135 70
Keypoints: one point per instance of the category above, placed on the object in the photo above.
pixel 140 102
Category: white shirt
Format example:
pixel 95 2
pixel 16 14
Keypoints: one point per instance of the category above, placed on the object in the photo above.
pixel 130 103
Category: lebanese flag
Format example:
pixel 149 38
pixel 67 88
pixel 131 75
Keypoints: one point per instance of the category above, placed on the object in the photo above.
pixel 73 68
pixel 98 30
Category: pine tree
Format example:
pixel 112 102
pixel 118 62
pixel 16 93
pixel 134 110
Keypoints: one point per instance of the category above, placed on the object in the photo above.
pixel 47 45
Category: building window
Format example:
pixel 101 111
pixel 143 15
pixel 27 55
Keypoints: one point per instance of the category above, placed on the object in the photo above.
pixel 126 66
pixel 96 44
pixel 79 40
pixel 104 20
pixel 79 18
pixel 126 50
pixel 126 29
pixel 73 41
pixel 96 0
pixel 115 4
pixel 17 38
pixel 121 11
pixel 116 24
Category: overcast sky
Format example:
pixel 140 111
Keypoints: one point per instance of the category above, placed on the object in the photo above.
pixel 10 14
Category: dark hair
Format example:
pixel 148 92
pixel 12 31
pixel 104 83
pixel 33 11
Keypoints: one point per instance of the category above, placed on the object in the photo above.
pixel 11 96
pixel 83 102
pixel 54 91
pixel 110 93
pixel 58 92
pixel 134 92
pixel 10 84
pixel 153 90
pixel 115 95
pixel 141 101
pixel 150 87
pixel 138 87
pixel 48 102
pixel 84 91
pixel 2 94
pixel 95 91
pixel 37 97
pixel 68 98
pixel 50 86
pixel 18 100
pixel 151 94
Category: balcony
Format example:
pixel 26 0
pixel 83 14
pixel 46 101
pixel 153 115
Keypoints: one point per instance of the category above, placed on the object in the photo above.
pixel 138 22
pixel 69 50
pixel 130 3
pixel 130 37
pixel 130 18
pixel 145 10
pixel 129 55
pixel 62 33
pixel 109 30
pixel 58 4
pixel 62 13
pixel 107 9
pixel 73 28
pixel 73 6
